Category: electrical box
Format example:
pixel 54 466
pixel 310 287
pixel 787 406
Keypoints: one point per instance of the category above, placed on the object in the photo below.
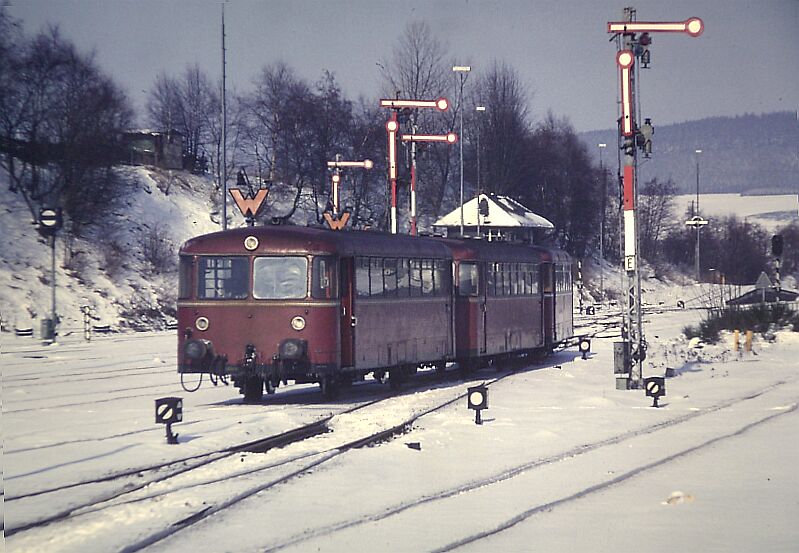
pixel 621 357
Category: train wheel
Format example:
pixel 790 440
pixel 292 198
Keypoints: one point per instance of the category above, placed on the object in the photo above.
pixel 441 368
pixel 328 387
pixel 252 389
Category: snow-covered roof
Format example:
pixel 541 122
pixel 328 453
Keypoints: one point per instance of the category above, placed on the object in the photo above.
pixel 503 212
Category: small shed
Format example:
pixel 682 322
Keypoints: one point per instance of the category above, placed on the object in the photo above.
pixel 159 148
pixel 495 218
pixel 764 292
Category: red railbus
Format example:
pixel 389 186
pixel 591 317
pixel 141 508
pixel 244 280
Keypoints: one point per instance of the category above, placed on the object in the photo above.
pixel 268 305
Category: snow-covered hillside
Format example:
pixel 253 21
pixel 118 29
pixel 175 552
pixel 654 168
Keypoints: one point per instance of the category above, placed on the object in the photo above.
pixel 110 267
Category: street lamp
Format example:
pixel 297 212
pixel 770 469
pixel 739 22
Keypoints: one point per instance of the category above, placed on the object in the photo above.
pixel 479 109
pixel 462 70
pixel 697 154
pixel 602 147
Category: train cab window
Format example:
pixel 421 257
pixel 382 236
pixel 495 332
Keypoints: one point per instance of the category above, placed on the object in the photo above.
pixel 468 283
pixel 184 277
pixel 280 278
pixel 223 277
pixel 362 277
pixel 323 278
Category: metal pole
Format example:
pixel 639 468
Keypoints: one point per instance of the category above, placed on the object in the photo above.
pixel 698 268
pixel 224 130
pixel 413 179
pixel 54 315
pixel 460 107
pixel 479 130
pixel 602 227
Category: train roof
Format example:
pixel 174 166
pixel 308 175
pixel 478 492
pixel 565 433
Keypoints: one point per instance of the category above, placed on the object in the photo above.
pixel 482 250
pixel 293 239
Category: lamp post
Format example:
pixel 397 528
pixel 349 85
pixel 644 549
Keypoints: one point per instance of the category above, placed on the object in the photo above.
pixel 697 153
pixel 602 147
pixel 479 109
pixel 462 70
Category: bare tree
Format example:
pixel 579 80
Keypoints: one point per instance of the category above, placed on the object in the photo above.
pixel 418 69
pixel 61 128
pixel 189 104
pixel 655 215
pixel 505 130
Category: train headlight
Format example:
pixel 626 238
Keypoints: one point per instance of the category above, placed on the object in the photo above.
pixel 251 243
pixel 291 349
pixel 196 349
pixel 202 323
pixel 298 323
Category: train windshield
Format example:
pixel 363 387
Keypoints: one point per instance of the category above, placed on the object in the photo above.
pixel 280 278
pixel 223 277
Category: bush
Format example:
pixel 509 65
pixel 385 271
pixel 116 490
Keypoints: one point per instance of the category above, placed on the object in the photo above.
pixel 763 319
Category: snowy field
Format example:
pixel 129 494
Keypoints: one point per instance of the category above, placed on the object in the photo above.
pixel 771 212
pixel 563 461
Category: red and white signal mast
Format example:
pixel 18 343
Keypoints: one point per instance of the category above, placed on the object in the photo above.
pixel 392 128
pixel 633 40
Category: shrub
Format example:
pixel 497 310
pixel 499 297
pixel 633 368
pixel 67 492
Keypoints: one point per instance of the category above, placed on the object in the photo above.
pixel 762 318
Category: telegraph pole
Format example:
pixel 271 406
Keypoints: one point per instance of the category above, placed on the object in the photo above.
pixel 633 40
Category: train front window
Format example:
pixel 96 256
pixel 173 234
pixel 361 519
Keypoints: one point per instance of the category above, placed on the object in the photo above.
pixel 323 279
pixel 184 277
pixel 222 277
pixel 280 278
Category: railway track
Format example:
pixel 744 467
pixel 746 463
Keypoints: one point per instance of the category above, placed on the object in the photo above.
pixel 433 506
pixel 301 450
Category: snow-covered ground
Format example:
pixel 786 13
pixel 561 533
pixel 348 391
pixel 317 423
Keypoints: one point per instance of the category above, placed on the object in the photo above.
pixel 563 462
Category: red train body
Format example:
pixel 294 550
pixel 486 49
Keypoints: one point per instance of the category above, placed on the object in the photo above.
pixel 266 305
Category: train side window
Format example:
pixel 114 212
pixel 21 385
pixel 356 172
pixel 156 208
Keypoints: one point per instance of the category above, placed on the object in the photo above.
pixel 491 277
pixel 428 282
pixel 415 266
pixel 323 280
pixel 280 278
pixel 375 277
pixel 184 277
pixel 403 278
pixel 390 277
pixel 506 284
pixel 223 277
pixel 443 277
pixel 362 277
pixel 468 283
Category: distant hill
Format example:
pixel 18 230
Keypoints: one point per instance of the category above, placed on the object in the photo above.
pixel 749 154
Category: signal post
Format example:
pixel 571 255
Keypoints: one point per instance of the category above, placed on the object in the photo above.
pixel 392 128
pixel 633 41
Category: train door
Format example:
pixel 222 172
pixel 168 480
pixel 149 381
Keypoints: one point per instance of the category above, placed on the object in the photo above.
pixel 548 303
pixel 482 315
pixel 347 317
